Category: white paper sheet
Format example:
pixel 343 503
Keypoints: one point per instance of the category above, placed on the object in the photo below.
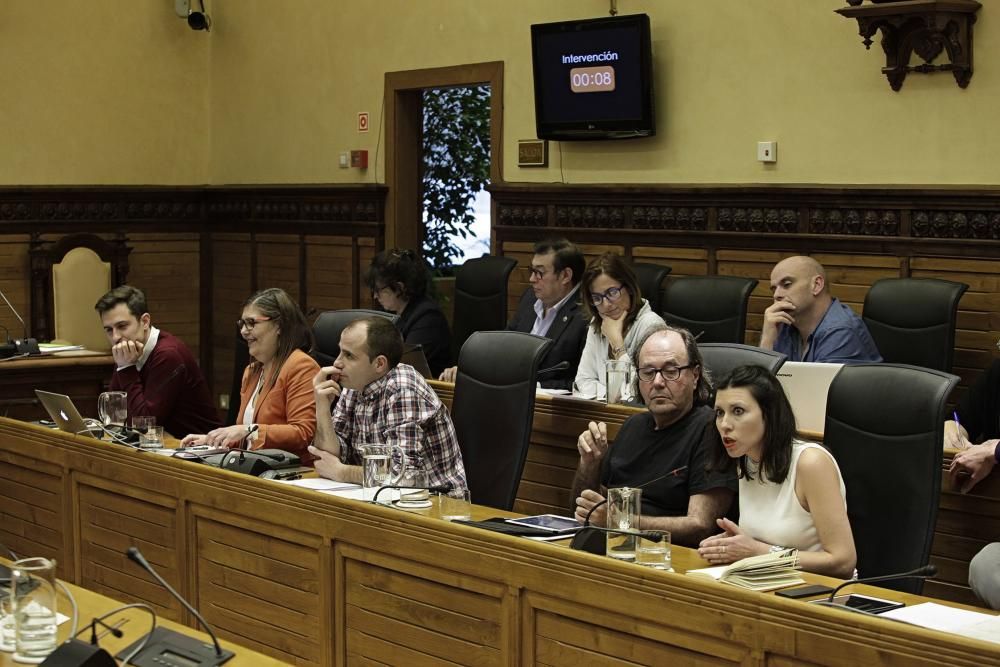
pixel 949 619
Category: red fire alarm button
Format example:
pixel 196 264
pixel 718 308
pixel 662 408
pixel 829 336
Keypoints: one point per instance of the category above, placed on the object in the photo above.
pixel 359 159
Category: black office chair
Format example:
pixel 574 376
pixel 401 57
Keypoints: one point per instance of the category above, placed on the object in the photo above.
pixel 493 409
pixel 720 358
pixel 651 277
pixel 480 297
pixel 240 360
pixel 328 327
pixel 713 306
pixel 913 320
pixel 884 426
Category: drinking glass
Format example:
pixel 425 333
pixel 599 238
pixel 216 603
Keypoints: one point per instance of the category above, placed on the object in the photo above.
pixel 456 505
pixel 617 380
pixel 112 406
pixel 143 422
pixel 33 585
pixel 7 624
pixel 152 438
pixel 377 463
pixel 651 553
pixel 624 510
pixel 414 494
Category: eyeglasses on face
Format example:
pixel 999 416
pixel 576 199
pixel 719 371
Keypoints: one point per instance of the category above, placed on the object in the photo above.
pixel 250 322
pixel 612 294
pixel 669 373
pixel 537 273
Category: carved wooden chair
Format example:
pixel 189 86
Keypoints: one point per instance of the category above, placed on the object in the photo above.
pixel 68 276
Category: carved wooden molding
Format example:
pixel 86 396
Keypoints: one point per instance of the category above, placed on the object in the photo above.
pixel 900 220
pixel 924 27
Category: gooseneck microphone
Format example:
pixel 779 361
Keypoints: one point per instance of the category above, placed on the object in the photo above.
pixel 925 572
pixel 444 488
pixel 163 644
pixel 25 345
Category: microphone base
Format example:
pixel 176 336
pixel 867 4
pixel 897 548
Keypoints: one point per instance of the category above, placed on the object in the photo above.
pixel 76 653
pixel 591 541
pixel 167 648
pixel 27 346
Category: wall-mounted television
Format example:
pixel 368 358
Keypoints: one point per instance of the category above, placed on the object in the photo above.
pixel 593 78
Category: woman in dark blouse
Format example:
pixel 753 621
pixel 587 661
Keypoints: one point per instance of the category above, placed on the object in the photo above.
pixel 398 280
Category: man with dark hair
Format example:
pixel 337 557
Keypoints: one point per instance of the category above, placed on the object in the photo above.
pixel 551 308
pixel 664 450
pixel 157 369
pixel 379 400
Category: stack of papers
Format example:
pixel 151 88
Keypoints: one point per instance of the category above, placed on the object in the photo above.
pixel 949 619
pixel 758 573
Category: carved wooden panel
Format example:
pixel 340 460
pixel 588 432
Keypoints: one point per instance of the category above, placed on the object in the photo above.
pixel 113 517
pixel 258 585
pixel 32 509
pixel 330 279
pixel 397 613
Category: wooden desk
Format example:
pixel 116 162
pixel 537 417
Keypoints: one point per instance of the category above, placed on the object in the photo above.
pixel 80 375
pixel 315 579
pixel 965 524
pixel 136 624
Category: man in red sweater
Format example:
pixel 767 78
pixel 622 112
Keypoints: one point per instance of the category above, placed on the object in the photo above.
pixel 157 369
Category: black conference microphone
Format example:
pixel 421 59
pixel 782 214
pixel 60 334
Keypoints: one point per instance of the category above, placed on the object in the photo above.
pixel 166 647
pixel 443 488
pixel 925 572
pixel 25 345
pixel 561 366
pixel 76 653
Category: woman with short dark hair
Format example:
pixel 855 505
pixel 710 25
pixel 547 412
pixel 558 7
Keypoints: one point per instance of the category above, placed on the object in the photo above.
pixel 398 280
pixel 277 410
pixel 791 492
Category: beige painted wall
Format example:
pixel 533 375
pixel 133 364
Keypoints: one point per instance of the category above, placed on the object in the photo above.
pixel 286 87
pixel 117 93
pixel 101 92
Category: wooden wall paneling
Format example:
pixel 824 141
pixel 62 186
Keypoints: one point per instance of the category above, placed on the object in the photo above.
pixel 166 267
pixel 366 249
pixel 14 265
pixel 518 281
pixel 258 584
pixel 328 276
pixel 752 264
pixel 278 262
pixel 231 287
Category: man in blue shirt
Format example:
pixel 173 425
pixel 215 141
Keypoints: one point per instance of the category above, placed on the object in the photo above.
pixel 806 323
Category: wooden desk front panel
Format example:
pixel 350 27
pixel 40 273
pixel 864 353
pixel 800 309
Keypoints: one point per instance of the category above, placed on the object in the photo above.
pixel 314 579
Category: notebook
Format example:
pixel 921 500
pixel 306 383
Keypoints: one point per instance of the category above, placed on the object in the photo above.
pixel 759 573
pixel 806 384
pixel 60 407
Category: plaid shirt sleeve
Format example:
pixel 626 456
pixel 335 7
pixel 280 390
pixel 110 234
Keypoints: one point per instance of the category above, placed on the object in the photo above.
pixel 343 426
pixel 415 419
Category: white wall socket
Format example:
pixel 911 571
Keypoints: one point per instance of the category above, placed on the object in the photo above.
pixel 345 161
pixel 767 151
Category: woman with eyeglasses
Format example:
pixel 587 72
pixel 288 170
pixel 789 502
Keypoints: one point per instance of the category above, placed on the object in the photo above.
pixel 619 319
pixel 277 410
pixel 398 280
pixel 791 492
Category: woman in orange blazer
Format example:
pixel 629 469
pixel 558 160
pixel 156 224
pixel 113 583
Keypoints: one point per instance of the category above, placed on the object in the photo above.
pixel 277 409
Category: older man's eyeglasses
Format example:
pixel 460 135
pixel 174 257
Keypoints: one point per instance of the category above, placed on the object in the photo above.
pixel 669 373
pixel 612 294
pixel 249 322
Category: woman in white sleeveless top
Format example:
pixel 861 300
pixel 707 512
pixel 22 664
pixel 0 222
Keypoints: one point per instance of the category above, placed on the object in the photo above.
pixel 791 492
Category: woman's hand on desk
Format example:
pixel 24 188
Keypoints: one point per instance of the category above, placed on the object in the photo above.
pixel 955 436
pixel 730 545
pixel 449 374
pixel 227 436
pixel 972 465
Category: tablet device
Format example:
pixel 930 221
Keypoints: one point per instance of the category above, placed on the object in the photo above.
pixel 552 523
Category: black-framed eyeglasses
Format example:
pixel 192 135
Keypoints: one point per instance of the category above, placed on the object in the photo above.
pixel 612 294
pixel 536 273
pixel 250 322
pixel 669 373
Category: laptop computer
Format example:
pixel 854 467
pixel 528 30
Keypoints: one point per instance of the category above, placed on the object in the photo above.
pixel 413 354
pixel 62 411
pixel 807 384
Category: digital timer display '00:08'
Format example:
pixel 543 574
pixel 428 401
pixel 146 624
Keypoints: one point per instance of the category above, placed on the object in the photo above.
pixel 592 79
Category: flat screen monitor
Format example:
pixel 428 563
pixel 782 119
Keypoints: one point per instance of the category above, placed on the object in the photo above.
pixel 593 78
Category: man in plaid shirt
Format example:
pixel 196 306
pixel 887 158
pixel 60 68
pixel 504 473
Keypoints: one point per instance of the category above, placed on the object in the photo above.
pixel 380 401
